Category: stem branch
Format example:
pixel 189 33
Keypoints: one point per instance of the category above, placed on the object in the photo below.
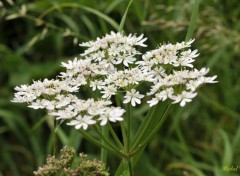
pixel 153 132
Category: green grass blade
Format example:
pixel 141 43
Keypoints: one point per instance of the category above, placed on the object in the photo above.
pixel 124 17
pixel 227 154
pixel 192 24
pixel 88 9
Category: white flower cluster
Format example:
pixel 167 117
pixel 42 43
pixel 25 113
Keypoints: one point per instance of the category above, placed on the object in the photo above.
pixel 110 66
pixel 173 75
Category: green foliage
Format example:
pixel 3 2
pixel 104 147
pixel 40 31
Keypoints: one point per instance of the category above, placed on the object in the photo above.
pixel 35 36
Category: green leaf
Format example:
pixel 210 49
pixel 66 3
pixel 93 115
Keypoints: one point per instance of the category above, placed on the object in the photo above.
pixel 227 153
pixel 88 9
pixel 193 21
pixel 124 16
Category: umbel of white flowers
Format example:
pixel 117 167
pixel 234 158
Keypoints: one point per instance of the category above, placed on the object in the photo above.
pixel 112 65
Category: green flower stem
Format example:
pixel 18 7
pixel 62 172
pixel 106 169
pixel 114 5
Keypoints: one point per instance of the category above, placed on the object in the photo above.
pixel 128 127
pixel 122 166
pixel 122 123
pixel 116 139
pixel 109 143
pixel 90 138
pixel 124 135
pixel 130 168
pixel 55 141
pixel 144 126
pixel 105 133
pixel 153 132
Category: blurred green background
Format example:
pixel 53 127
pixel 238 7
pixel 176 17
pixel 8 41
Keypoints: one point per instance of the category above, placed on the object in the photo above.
pixel 199 139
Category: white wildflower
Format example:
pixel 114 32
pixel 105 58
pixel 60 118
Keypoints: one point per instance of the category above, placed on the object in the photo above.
pixel 38 104
pixel 111 114
pixel 193 84
pixel 67 113
pixel 153 102
pixel 82 122
pixel 97 84
pixel 133 96
pixel 112 64
pixel 108 91
pixel 163 95
pixel 184 97
pixel 209 79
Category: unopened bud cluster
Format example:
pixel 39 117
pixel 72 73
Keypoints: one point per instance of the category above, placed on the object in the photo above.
pixel 65 165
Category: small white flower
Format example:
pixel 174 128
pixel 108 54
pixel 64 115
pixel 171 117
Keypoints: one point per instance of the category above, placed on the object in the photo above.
pixel 182 61
pixel 109 91
pixel 38 104
pixel 97 84
pixel 111 114
pixel 97 107
pixel 82 122
pixel 62 101
pixel 184 97
pixel 154 88
pixel 99 55
pixel 50 105
pixel 128 60
pixel 202 72
pixel 189 54
pixel 133 96
pixel 163 95
pixel 159 72
pixel 193 84
pixel 209 79
pixel 23 97
pixel 153 102
pixel 67 113
pixel 140 41
pixel 71 64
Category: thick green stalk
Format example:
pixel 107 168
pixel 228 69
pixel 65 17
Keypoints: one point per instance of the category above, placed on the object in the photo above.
pixel 156 119
pixel 130 167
